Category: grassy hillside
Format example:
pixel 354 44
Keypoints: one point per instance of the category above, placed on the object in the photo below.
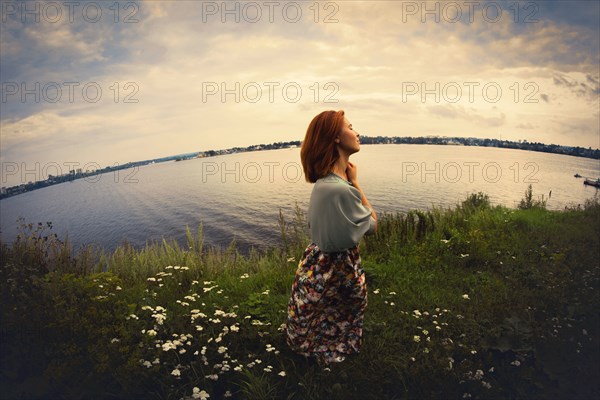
pixel 478 301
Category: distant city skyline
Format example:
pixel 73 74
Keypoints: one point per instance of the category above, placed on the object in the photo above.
pixel 23 185
pixel 112 82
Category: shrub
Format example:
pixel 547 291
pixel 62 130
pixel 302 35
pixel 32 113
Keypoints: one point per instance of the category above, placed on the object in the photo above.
pixel 476 201
pixel 528 201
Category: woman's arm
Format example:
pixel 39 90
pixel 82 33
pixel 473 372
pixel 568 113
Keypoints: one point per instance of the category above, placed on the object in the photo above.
pixel 365 202
pixel 352 174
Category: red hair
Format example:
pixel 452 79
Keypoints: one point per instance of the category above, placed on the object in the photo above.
pixel 318 152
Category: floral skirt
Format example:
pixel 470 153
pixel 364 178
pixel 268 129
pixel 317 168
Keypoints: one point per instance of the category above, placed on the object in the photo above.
pixel 327 305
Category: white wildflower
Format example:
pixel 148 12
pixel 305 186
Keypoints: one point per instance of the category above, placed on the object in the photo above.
pixel 168 346
pixel 198 394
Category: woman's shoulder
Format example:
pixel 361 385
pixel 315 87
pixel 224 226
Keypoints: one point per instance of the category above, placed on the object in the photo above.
pixel 332 182
pixel 333 185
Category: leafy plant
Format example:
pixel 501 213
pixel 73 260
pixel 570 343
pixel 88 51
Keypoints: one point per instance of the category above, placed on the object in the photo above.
pixel 528 201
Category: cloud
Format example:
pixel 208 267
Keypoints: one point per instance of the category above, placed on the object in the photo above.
pixel 588 89
pixel 472 116
pixel 578 13
pixel 525 126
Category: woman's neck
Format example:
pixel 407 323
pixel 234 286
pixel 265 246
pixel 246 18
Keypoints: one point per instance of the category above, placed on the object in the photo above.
pixel 340 166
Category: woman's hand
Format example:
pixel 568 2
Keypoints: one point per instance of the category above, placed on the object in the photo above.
pixel 352 172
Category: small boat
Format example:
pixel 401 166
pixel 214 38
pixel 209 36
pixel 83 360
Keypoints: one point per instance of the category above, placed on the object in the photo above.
pixel 577 175
pixel 591 182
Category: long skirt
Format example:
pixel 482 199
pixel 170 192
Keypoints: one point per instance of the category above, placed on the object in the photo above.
pixel 327 304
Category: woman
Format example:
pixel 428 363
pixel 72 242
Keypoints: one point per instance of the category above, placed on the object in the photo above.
pixel 329 293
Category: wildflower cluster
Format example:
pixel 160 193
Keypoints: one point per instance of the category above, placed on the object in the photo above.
pixel 191 334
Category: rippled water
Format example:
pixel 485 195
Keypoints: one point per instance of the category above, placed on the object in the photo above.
pixel 240 194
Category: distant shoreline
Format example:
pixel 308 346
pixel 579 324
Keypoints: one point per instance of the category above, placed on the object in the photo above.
pixel 434 140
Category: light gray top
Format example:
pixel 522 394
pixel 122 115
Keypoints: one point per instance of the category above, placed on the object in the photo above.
pixel 337 219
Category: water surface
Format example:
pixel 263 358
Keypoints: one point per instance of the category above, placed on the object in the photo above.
pixel 240 195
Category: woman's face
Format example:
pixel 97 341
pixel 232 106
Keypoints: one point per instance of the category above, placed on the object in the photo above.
pixel 348 139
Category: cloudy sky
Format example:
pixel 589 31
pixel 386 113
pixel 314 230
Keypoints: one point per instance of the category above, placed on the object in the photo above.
pixel 112 82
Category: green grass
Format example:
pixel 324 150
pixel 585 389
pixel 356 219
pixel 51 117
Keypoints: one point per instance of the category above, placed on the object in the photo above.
pixel 75 323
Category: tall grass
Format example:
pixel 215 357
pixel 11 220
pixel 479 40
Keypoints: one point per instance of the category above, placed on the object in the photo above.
pixel 475 301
